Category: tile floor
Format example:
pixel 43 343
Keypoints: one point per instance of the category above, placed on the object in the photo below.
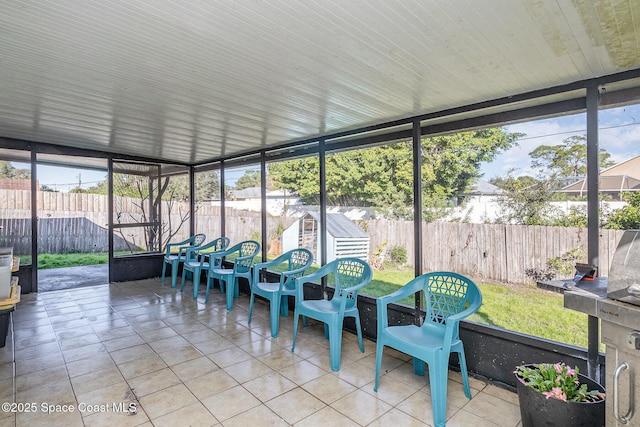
pixel 102 350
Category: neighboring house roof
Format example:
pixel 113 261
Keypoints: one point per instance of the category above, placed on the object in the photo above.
pixel 246 193
pixel 338 225
pixel 611 183
pixel 483 188
pixel 625 176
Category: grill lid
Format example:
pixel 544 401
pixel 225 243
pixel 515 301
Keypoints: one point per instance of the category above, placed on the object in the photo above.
pixel 624 274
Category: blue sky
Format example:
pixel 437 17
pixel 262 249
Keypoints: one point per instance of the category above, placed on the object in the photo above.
pixel 619 135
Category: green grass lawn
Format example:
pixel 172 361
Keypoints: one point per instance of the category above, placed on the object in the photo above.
pixel 520 308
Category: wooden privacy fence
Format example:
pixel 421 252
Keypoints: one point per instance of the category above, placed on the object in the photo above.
pixel 77 223
pixel 500 252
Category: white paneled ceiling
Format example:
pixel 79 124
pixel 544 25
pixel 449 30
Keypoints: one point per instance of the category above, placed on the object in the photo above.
pixel 191 81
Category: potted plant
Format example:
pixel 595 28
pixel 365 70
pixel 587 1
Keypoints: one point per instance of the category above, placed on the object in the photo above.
pixel 554 394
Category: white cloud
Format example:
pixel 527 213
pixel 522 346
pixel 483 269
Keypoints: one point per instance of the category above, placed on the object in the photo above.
pixel 619 135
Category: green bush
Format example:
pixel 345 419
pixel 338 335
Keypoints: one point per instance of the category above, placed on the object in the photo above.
pixel 398 254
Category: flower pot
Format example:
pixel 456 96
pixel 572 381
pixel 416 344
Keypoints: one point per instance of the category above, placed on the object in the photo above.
pixel 536 410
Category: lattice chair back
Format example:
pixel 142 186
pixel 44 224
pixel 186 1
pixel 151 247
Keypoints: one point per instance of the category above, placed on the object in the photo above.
pixel 348 273
pixel 248 250
pixel 447 294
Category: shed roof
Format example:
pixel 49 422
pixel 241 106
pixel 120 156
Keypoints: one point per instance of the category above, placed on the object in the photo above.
pixel 338 225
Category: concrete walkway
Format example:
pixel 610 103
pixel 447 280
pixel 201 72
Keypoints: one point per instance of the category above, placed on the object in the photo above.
pixel 53 279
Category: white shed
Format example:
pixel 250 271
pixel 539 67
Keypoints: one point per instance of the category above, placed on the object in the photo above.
pixel 344 238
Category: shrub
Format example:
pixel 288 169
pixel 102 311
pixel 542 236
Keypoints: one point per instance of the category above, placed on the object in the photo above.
pixel 398 254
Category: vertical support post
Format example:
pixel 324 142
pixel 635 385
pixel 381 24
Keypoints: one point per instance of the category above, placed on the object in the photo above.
pixel 192 202
pixel 323 202
pixel 417 210
pixel 110 215
pixel 222 199
pixel 593 226
pixel 34 222
pixel 263 203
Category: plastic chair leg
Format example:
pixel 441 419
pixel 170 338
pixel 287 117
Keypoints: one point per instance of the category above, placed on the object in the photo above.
pixel 196 283
pixel 359 331
pixel 274 314
pixel 379 350
pixel 284 305
pixel 295 329
pixel 438 385
pixel 174 274
pixel 418 367
pixel 335 344
pixel 230 291
pixel 464 373
pixel 164 270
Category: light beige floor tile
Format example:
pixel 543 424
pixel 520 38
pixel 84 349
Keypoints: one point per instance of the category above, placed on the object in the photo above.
pixel 248 370
pixel 418 405
pixel 84 366
pixel 141 366
pixel 195 414
pixel 168 400
pixel 302 372
pixel 194 368
pixel 182 354
pixel 84 352
pixel 211 384
pixel 131 353
pixel 396 417
pixel 229 357
pixel 361 407
pixel 278 359
pixel 355 373
pixel 30 341
pixel 45 377
pixel 118 393
pixel 121 416
pixel 328 388
pixel 168 344
pixel 484 405
pixel 201 335
pixel 389 390
pixel 260 347
pixel 120 343
pixel 327 416
pixel 269 386
pixel 260 415
pixel 96 379
pixel 158 334
pixel 501 393
pixel 152 382
pixel 30 366
pixel 230 403
pixel 50 417
pixel 214 345
pixel 295 405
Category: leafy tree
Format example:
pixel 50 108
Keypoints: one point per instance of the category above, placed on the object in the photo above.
pixel 251 178
pixel 45 187
pixel 524 181
pixel 527 205
pixel 7 170
pixel 382 176
pixel 628 217
pixel 566 160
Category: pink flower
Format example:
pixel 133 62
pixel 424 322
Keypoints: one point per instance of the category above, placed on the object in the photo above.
pixel 557 367
pixel 571 372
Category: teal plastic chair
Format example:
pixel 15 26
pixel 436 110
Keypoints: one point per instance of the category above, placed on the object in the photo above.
pixel 449 298
pixel 349 275
pixel 197 260
pixel 174 259
pixel 296 262
pixel 242 255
